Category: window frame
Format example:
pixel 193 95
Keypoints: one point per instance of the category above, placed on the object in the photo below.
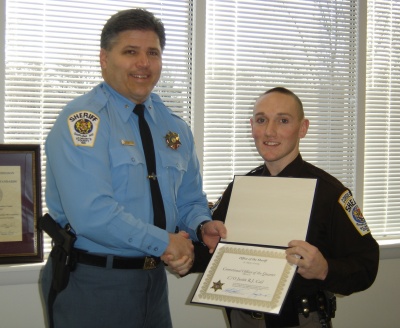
pixel 389 248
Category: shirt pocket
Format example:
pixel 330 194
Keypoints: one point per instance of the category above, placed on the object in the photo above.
pixel 174 166
pixel 128 170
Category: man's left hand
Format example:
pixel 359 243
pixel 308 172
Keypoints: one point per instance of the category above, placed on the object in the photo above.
pixel 212 232
pixel 180 266
pixel 309 260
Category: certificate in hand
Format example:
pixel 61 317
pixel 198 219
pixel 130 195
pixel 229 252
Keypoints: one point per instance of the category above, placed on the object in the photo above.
pixel 249 269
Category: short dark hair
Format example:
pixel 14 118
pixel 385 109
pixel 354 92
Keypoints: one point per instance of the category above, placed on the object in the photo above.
pixel 288 93
pixel 131 19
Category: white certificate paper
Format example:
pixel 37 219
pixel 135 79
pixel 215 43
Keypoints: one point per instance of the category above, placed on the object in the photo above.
pixel 246 277
pixel 249 269
pixel 269 210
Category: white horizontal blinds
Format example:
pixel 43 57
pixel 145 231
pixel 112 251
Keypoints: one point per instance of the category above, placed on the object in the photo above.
pixel 306 46
pixel 382 141
pixel 52 56
pixel 52 50
pixel 175 86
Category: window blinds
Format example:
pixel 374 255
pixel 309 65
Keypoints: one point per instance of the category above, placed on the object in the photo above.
pixel 382 129
pixel 52 56
pixel 306 46
pixel 52 50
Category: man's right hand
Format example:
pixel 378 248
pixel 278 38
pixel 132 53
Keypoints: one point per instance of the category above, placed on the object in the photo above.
pixel 179 254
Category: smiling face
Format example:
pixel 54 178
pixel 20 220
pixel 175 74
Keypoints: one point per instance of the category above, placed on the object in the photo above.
pixel 133 65
pixel 277 126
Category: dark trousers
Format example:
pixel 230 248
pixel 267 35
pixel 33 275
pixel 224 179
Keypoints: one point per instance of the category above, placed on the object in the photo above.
pixel 102 298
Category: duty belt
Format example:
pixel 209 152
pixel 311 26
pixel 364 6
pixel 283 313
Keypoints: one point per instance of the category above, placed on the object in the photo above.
pixel 117 262
pixel 324 302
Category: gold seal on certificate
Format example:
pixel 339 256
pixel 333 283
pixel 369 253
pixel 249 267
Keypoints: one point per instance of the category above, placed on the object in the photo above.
pixel 217 285
pixel 249 269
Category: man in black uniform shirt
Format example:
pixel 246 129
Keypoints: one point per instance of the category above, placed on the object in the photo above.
pixel 339 256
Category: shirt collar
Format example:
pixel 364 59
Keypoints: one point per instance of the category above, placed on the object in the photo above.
pixel 291 170
pixel 124 105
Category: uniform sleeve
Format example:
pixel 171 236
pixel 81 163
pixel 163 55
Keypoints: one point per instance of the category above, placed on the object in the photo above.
pixel 220 209
pixel 202 257
pixel 354 257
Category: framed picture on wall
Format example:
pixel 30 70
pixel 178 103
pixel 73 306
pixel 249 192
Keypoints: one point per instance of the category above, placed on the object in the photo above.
pixel 20 204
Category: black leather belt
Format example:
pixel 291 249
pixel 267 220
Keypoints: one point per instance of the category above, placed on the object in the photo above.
pixel 144 263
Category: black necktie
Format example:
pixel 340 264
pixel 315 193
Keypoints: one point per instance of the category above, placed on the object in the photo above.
pixel 148 147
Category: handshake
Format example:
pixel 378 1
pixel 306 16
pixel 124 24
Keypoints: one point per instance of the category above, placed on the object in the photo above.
pixel 179 255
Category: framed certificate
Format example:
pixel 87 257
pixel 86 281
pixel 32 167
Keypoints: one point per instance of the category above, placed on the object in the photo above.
pixel 248 269
pixel 20 204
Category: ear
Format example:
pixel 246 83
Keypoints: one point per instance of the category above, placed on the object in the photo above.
pixel 252 124
pixel 305 123
pixel 103 58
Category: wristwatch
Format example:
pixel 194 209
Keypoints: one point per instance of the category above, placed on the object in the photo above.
pixel 199 231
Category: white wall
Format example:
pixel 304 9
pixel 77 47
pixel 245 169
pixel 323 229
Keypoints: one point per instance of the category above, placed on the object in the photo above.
pixel 20 304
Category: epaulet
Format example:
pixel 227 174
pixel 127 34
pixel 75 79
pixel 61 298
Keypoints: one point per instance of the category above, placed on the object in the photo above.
pixel 256 171
pixel 325 176
pixel 94 101
pixel 155 98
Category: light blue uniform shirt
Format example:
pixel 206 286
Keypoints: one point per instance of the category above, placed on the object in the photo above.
pixel 96 176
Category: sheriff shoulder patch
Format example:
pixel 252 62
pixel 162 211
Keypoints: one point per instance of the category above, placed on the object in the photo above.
pixel 353 212
pixel 83 127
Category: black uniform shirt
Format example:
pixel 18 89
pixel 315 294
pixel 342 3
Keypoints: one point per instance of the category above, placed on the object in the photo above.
pixel 352 254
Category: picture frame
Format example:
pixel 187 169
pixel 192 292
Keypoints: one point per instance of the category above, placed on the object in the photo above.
pixel 20 204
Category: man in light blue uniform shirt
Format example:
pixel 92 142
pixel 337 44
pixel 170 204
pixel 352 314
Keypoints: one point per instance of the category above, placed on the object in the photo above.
pixel 97 182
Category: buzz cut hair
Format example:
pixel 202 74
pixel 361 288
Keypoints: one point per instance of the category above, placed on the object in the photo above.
pixel 290 93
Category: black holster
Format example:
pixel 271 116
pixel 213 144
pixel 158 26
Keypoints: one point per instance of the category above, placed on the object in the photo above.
pixel 62 265
pixel 62 254
pixel 62 257
pixel 326 306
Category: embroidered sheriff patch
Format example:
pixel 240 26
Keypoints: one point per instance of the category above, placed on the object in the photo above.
pixel 353 212
pixel 83 128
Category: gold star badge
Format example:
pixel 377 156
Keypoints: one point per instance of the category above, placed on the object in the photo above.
pixel 217 285
pixel 172 139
